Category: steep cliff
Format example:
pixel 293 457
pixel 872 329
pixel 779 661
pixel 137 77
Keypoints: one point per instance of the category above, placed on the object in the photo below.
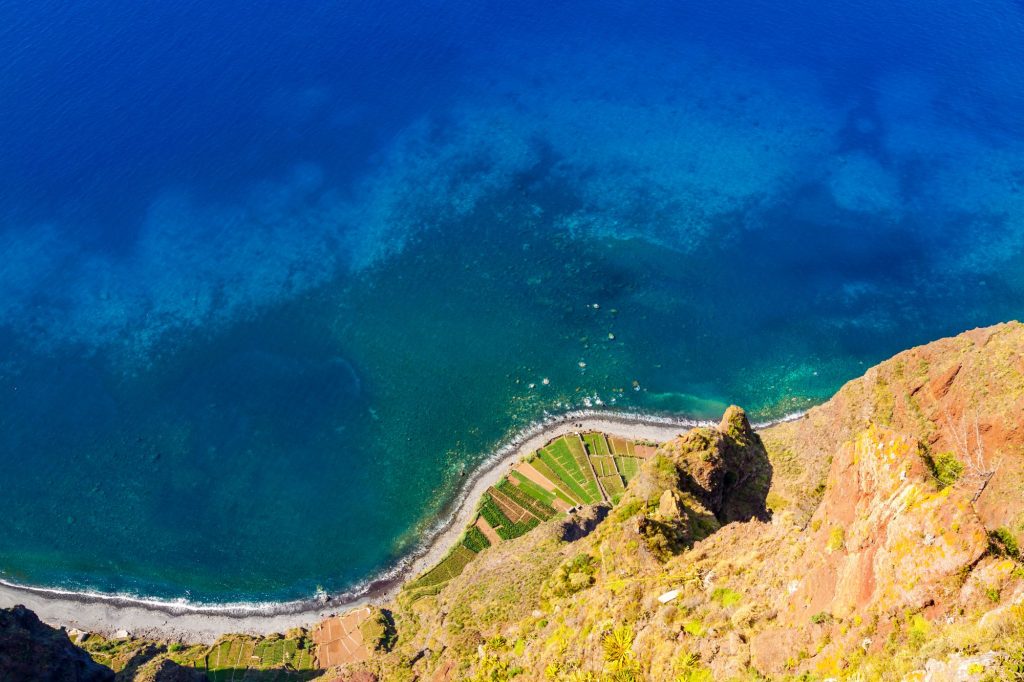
pixel 876 536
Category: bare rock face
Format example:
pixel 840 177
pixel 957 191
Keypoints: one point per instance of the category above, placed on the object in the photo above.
pixel 670 506
pixel 725 468
pixel 703 479
pixel 31 651
pixel 962 396
pixel 886 539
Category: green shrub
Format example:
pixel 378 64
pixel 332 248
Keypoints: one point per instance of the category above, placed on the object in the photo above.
pixel 491 513
pixel 689 669
pixel 918 629
pixel 627 510
pixel 945 467
pixel 378 631
pixel 571 577
pixel 821 617
pixel 1005 542
pixel 726 597
pixel 618 653
pixel 694 628
pixel 836 539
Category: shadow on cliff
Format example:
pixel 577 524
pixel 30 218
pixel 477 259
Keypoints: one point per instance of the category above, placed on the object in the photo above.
pixel 726 468
pixel 140 658
pixel 704 479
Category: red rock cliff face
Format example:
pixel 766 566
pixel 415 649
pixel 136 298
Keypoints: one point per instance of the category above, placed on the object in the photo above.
pixel 888 537
pixel 885 538
pixel 962 395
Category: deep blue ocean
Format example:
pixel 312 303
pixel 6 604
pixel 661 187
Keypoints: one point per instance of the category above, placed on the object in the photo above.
pixel 273 274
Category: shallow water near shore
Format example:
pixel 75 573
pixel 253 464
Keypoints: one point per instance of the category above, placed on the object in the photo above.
pixel 267 293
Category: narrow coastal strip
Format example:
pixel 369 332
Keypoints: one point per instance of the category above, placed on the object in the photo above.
pixel 184 621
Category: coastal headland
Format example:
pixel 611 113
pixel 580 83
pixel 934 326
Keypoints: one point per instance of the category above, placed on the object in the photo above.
pixel 182 621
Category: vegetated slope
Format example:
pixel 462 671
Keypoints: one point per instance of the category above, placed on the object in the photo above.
pixel 878 536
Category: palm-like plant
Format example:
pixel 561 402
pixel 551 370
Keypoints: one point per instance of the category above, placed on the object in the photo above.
pixel 618 650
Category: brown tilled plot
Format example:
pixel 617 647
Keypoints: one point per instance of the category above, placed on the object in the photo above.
pixel 645 451
pixel 509 507
pixel 620 446
pixel 529 472
pixel 489 533
pixel 338 639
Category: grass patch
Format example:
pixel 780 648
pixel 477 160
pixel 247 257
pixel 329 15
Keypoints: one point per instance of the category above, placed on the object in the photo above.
pixel 694 628
pixel 726 597
pixel 596 444
pixel 628 467
pixel 451 566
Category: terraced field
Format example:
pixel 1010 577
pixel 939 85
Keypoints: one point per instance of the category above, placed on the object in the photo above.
pixel 275 659
pixel 569 471
pixel 628 467
pixel 596 444
pixel 291 658
pixel 568 460
pixel 433 580
pixel 621 446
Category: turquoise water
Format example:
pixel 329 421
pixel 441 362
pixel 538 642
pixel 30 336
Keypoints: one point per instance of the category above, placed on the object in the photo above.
pixel 271 279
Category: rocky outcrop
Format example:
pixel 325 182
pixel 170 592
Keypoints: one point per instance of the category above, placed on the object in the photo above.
pixel 31 651
pixel 877 537
pixel 725 468
pixel 925 467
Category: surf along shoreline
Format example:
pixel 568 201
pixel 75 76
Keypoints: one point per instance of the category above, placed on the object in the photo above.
pixel 204 623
